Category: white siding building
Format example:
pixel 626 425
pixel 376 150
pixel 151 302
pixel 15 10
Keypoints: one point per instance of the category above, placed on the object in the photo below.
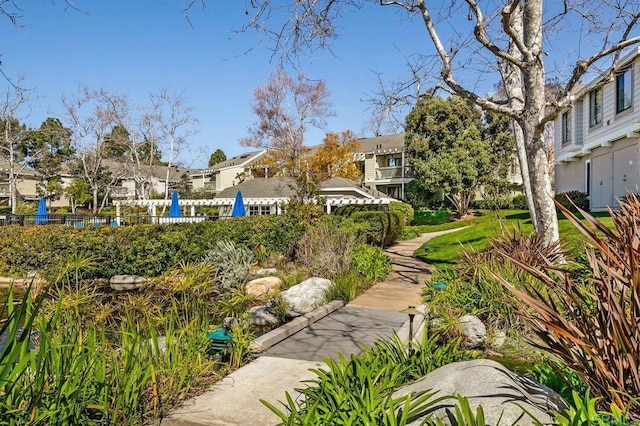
pixel 596 146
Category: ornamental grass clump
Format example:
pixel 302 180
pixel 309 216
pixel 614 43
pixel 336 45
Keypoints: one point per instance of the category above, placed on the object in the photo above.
pixel 326 250
pixel 592 322
pixel 233 262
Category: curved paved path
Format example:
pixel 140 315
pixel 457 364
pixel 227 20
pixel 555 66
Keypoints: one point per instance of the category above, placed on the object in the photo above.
pixel 405 283
pixel 235 400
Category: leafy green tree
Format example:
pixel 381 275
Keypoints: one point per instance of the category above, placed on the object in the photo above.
pixel 498 131
pixel 45 150
pixel 79 193
pixel 150 154
pixel 446 148
pixel 117 143
pixel 218 156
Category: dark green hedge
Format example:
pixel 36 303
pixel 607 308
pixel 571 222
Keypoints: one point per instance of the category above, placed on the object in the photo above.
pixel 384 227
pixel 147 250
pixel 579 198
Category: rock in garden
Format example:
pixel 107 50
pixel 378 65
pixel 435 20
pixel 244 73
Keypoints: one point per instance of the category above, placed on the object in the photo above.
pixel 127 282
pixel 263 272
pixel 262 288
pixel 473 330
pixel 498 340
pixel 305 297
pixel 488 383
pixel 261 317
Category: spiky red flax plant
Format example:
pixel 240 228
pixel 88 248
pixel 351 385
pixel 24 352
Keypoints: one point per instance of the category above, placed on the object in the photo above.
pixel 591 322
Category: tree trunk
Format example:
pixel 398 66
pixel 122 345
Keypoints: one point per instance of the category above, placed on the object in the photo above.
pixel 511 78
pixel 95 200
pixel 13 199
pixel 518 136
pixel 531 121
pixel 545 212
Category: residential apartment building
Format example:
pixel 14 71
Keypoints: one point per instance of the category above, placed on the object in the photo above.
pixel 27 186
pixel 384 165
pixel 145 181
pixel 597 140
pixel 225 174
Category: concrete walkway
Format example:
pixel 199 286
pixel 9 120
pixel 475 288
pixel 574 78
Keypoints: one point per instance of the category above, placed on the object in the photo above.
pixel 405 283
pixel 236 399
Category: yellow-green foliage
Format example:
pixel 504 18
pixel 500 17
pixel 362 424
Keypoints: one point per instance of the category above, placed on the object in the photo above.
pixel 404 209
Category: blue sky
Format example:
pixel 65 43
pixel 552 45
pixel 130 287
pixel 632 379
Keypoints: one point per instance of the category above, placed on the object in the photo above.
pixel 139 47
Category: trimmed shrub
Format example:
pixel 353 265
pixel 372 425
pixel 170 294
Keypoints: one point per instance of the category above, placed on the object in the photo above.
pixel 499 203
pixel 404 209
pixel 432 217
pixel 384 227
pixel 147 250
pixel 519 202
pixel 579 198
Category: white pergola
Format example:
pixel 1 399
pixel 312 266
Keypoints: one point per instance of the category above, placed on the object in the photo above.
pixel 278 202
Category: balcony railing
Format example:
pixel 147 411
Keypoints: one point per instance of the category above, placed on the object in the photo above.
pixel 121 191
pixel 392 173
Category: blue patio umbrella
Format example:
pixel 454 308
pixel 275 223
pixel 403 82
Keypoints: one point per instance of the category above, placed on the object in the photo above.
pixel 174 211
pixel 238 206
pixel 41 215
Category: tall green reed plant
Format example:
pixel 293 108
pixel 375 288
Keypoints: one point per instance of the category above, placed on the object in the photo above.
pixel 81 373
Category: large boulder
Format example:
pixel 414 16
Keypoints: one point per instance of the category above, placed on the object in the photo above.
pixel 261 317
pixel 263 288
pixel 305 297
pixel 502 393
pixel 473 330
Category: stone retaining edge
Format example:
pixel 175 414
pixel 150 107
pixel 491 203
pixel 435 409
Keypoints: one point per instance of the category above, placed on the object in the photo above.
pixel 269 339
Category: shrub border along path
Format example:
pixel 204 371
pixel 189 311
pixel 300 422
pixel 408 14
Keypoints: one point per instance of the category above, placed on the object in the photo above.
pixel 236 399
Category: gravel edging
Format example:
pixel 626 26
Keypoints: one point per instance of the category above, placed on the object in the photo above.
pixel 264 342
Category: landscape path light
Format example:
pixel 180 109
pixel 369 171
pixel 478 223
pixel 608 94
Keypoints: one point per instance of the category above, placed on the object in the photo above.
pixel 412 312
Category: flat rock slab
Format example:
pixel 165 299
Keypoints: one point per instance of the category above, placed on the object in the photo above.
pixel 127 282
pixel 235 400
pixel 340 332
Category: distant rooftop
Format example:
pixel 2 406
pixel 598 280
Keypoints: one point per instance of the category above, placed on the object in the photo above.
pixel 238 160
pixel 381 143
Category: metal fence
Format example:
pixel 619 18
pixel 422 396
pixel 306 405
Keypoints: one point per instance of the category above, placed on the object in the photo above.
pixel 95 220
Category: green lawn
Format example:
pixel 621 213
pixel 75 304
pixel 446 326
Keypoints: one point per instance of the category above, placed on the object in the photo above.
pixel 444 250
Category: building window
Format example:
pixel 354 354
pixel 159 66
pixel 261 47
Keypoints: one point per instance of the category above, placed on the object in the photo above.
pixel 624 90
pixel 254 210
pixel 265 210
pixel 595 107
pixel 393 161
pixel 587 177
pixel 566 127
